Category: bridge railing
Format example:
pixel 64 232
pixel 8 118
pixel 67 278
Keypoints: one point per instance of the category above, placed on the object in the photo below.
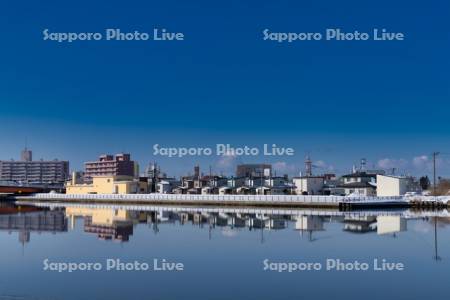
pixel 225 198
pixel 192 198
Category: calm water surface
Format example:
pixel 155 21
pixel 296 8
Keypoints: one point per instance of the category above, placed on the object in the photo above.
pixel 223 253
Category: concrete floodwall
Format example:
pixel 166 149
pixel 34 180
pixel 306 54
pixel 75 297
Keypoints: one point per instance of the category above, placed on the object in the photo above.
pixel 263 199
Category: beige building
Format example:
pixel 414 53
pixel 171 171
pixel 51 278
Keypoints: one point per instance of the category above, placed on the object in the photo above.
pixel 389 185
pixel 108 185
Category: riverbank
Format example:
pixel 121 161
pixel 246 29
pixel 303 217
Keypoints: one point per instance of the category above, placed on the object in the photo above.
pixel 286 201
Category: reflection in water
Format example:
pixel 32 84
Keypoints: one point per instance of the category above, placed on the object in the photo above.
pixel 310 224
pixel 390 224
pixel 436 255
pixel 360 224
pixel 223 250
pixel 27 220
pixel 107 224
pixel 116 223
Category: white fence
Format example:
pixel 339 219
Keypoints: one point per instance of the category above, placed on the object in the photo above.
pixel 212 198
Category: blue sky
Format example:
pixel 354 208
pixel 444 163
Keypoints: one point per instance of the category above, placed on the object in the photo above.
pixel 338 101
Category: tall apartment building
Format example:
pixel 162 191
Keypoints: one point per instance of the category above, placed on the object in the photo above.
pixel 31 171
pixel 109 165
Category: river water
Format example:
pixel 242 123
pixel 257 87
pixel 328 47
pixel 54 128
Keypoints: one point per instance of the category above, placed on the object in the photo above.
pixel 144 252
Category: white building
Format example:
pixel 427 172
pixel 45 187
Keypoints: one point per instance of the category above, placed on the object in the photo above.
pixel 207 190
pixel 308 185
pixel 275 181
pixel 225 190
pixel 359 183
pixel 236 182
pixel 167 185
pixel 389 185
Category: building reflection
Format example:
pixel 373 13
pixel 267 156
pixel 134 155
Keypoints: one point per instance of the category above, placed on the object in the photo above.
pixel 390 225
pixel 309 224
pixel 117 223
pixel 27 220
pixel 360 224
pixel 107 224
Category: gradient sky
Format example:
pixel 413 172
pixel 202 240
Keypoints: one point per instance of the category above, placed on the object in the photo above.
pixel 338 101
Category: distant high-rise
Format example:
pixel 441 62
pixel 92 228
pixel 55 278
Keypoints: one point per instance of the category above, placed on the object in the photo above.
pixel 308 166
pixel 197 172
pixel 26 155
pixel 153 170
pixel 34 172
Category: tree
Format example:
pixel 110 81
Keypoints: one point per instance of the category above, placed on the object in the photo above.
pixel 443 187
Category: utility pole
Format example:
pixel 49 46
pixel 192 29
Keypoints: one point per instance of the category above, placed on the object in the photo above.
pixel 434 172
pixel 436 255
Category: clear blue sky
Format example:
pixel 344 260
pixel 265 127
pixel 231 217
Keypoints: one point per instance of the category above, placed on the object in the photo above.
pixel 338 101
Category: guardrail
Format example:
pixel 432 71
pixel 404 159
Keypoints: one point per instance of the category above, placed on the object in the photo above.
pixel 373 199
pixel 212 198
